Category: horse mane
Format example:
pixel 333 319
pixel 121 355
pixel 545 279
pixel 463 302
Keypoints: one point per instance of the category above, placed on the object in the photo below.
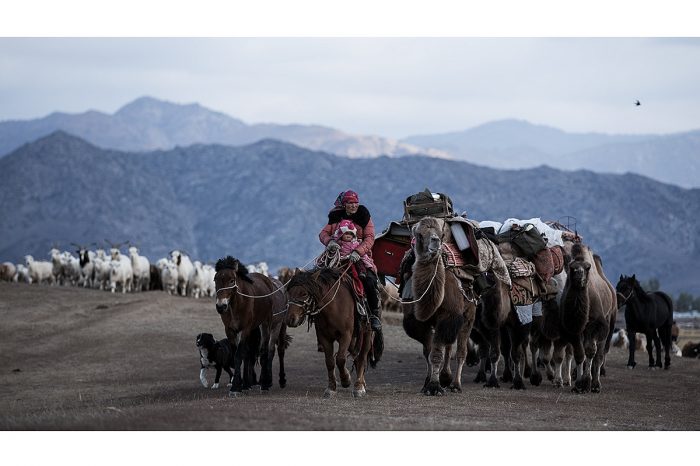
pixel 639 291
pixel 315 280
pixel 231 263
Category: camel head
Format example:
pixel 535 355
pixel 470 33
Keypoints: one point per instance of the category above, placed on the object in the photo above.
pixel 578 272
pixel 428 238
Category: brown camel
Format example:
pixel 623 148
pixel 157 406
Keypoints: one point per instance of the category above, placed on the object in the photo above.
pixel 440 301
pixel 588 304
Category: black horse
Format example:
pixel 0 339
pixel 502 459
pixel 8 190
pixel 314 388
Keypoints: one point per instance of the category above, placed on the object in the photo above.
pixel 647 313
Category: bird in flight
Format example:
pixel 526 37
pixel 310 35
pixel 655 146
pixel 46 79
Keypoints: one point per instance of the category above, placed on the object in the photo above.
pixel 637 103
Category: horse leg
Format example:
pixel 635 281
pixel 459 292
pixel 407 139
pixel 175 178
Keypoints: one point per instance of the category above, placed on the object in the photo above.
pixel 650 348
pixel 360 388
pixel 238 357
pixel 462 349
pixel 665 333
pixel 657 344
pixel 632 336
pixel 281 348
pixel 341 357
pixel 437 356
pixel 267 346
pixel 327 345
pixel 546 351
pixel 580 358
pixel 446 371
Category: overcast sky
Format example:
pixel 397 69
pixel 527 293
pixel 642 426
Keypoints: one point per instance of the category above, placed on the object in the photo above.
pixel 386 86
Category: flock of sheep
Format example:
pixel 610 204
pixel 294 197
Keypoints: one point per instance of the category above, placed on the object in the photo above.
pixel 177 274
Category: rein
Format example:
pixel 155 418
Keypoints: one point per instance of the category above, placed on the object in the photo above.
pixel 309 304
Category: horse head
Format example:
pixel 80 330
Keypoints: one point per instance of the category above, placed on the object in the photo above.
pixel 428 235
pixel 626 287
pixel 300 300
pixel 229 271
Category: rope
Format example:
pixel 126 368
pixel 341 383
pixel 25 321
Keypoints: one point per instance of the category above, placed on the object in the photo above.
pixel 437 264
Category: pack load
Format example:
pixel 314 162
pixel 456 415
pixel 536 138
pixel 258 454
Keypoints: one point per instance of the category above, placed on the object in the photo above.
pixel 467 253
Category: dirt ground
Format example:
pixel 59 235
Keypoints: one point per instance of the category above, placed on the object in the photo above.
pixel 75 359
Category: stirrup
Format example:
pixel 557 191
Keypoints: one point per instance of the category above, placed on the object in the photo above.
pixel 375 323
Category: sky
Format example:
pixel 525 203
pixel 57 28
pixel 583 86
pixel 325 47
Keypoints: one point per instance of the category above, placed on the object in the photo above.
pixel 393 87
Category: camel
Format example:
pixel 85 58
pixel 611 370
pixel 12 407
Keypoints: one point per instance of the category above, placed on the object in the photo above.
pixel 588 307
pixel 441 313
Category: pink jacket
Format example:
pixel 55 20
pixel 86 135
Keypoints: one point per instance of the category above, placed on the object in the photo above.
pixel 347 247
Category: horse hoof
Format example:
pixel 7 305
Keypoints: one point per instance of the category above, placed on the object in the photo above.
pixel 233 394
pixel 283 383
pixel 558 384
pixel 595 388
pixel 329 393
pixel 215 386
pixel 359 393
pixel 480 377
pixel 455 388
pixel 535 379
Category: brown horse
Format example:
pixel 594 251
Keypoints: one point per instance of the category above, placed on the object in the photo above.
pixel 440 304
pixel 326 297
pixel 246 302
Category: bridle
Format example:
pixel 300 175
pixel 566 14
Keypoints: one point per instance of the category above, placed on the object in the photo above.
pixel 626 298
pixel 237 290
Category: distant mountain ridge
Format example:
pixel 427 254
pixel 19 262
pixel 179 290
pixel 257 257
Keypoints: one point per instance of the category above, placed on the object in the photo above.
pixel 150 124
pixel 512 144
pixel 268 201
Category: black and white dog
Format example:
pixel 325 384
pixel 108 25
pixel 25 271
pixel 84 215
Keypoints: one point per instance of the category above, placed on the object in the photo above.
pixel 214 353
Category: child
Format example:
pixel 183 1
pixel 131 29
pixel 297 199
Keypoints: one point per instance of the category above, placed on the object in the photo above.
pixel 346 237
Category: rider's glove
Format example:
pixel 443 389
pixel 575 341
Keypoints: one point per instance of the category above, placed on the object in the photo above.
pixel 332 246
pixel 354 256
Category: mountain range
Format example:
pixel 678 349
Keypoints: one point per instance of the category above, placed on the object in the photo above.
pixel 268 201
pixel 149 124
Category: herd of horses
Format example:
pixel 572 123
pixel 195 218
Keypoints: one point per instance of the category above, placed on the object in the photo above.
pixel 576 324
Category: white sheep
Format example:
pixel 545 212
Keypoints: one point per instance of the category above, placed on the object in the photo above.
pixel 210 286
pixel 185 270
pixel 142 270
pixel 40 271
pixel 22 274
pixel 120 273
pixel 57 266
pixel 71 268
pixel 169 276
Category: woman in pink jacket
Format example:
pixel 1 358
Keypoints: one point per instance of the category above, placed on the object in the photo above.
pixel 347 206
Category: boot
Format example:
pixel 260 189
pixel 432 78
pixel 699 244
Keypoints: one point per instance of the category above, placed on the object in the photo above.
pixel 375 319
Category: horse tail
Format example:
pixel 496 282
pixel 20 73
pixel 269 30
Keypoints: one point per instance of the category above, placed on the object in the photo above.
pixel 286 341
pixel 375 354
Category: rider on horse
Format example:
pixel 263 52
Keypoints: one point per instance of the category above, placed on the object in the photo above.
pixel 348 207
